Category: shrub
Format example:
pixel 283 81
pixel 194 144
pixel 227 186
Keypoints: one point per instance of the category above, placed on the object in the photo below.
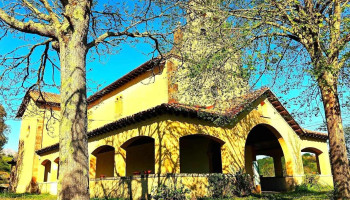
pixel 170 193
pixel 219 185
pixel 226 185
pixel 243 184
pixel 311 184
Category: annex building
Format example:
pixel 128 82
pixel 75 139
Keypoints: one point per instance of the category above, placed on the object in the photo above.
pixel 140 136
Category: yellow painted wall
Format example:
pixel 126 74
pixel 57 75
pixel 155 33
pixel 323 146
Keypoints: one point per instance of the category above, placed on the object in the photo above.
pixel 32 119
pixel 142 93
pixel 167 130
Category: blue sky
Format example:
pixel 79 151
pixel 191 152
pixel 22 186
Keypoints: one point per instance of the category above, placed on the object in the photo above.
pixel 113 67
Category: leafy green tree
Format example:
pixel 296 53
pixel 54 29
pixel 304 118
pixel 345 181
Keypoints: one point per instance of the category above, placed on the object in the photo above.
pixel 3 127
pixel 309 164
pixel 347 140
pixel 266 167
pixel 318 31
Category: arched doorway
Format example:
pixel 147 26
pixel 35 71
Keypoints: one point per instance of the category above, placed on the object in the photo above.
pixel 311 161
pixel 102 161
pixel 139 155
pixel 263 141
pixel 200 154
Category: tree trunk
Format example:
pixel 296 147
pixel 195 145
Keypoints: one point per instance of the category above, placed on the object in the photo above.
pixel 74 158
pixel 338 154
pixel 74 168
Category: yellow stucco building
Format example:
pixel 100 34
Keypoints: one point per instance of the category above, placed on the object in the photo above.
pixel 140 137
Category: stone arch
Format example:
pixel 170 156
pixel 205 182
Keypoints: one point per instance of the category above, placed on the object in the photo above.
pixel 200 153
pixel 264 139
pixel 47 170
pixel 102 162
pixel 140 155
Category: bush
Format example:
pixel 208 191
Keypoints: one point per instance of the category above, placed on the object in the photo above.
pixel 169 193
pixel 219 185
pixel 243 184
pixel 311 184
pixel 227 185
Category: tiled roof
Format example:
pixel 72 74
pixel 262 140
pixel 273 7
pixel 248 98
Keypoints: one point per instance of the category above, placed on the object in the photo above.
pixel 315 134
pixel 40 98
pixel 45 97
pixel 203 113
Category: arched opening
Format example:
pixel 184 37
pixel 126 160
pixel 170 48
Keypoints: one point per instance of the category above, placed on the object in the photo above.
pixel 57 161
pixel 200 154
pixel 103 160
pixel 263 143
pixel 139 155
pixel 266 166
pixel 311 163
pixel 47 170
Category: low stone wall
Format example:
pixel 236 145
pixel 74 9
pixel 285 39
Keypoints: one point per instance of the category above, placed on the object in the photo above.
pixel 141 186
pixel 48 187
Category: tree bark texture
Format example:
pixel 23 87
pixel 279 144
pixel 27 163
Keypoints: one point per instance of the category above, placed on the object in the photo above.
pixel 74 164
pixel 338 154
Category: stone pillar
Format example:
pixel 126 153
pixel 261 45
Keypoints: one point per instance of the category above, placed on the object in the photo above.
pixel 277 162
pixel 249 158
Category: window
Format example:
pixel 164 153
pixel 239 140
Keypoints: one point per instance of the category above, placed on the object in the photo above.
pixel 119 106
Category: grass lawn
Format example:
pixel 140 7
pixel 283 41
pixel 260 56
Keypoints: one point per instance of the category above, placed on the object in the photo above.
pixel 274 196
pixel 291 195
pixel 27 196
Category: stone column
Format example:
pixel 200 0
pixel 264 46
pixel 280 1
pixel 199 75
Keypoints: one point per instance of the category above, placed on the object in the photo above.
pixel 278 166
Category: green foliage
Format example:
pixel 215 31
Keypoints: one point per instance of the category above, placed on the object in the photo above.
pixel 27 196
pixel 310 182
pixel 243 185
pixel 310 164
pixel 347 140
pixel 219 185
pixel 3 127
pixel 4 166
pixel 165 192
pixel 266 167
pixel 225 185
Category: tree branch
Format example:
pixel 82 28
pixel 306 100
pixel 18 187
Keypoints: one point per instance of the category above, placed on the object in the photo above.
pixel 106 35
pixel 39 14
pixel 28 27
pixel 51 12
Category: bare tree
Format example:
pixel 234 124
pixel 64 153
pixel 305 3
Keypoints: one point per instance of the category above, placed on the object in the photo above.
pixel 72 28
